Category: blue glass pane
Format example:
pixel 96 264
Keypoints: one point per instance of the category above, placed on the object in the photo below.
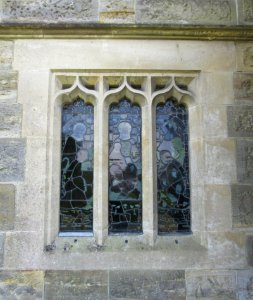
pixel 125 181
pixel 173 188
pixel 76 205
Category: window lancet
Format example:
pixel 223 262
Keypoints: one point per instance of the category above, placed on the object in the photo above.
pixel 125 171
pixel 76 204
pixel 173 188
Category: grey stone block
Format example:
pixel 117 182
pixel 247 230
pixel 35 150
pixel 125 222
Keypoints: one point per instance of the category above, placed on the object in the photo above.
pixel 7 206
pixel 10 120
pixel 249 250
pixel 2 242
pixel 12 159
pixel 211 285
pixel 248 57
pixel 243 86
pixel 21 285
pixel 6 54
pixel 186 11
pixel 242 205
pixel 50 11
pixel 245 8
pixel 240 121
pixel 245 284
pixel 147 284
pixel 8 86
pixel 73 285
pixel 244 157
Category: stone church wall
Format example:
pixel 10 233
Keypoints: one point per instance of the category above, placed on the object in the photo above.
pixel 216 261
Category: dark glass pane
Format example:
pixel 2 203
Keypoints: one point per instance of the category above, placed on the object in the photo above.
pixel 76 206
pixel 173 189
pixel 125 187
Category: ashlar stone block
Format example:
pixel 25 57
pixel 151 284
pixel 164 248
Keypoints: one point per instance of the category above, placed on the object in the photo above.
pixel 245 11
pixel 249 250
pixel 12 159
pixel 240 121
pixel 25 285
pixel 10 120
pixel 244 156
pixel 8 86
pixel 186 11
pixel 209 284
pixel 50 11
pixel 122 11
pixel 242 205
pixel 72 285
pixel 243 86
pixel 7 206
pixel 6 54
pixel 153 285
pixel 248 57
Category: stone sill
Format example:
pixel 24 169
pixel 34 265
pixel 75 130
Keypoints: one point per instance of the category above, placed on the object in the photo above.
pixel 98 31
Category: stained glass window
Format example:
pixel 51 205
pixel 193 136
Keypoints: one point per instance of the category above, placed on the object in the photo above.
pixel 76 204
pixel 173 189
pixel 125 170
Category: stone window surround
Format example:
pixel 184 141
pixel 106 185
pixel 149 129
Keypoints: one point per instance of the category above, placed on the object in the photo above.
pixel 66 86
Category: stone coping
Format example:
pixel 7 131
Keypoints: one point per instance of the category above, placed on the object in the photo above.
pixel 161 32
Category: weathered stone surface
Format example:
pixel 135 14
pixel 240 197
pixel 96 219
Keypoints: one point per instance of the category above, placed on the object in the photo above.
pixel 12 158
pixel 211 285
pixel 245 11
pixel 7 207
pixel 10 120
pixel 249 250
pixel 2 241
pixel 243 86
pixel 248 57
pixel 73 285
pixel 242 205
pixel 111 11
pixel 245 284
pixel 244 154
pixel 50 11
pixel 6 54
pixel 152 285
pixel 8 86
pixel 240 121
pixel 21 285
pixel 185 11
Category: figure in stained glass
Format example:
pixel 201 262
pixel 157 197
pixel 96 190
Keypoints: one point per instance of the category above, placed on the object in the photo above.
pixel 125 200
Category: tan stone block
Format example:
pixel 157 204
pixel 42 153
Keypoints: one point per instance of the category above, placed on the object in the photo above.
pixel 244 56
pixel 220 167
pixel 191 12
pixel 25 250
pixel 122 11
pixel 21 285
pixel 210 284
pixel 73 285
pixel 195 121
pixel 218 208
pixel 215 121
pixel 7 207
pixel 6 54
pixel 216 88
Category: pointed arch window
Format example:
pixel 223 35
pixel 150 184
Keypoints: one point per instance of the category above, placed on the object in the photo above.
pixel 76 203
pixel 173 187
pixel 125 169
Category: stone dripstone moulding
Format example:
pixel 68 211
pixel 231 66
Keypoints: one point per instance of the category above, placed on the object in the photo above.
pixel 145 89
